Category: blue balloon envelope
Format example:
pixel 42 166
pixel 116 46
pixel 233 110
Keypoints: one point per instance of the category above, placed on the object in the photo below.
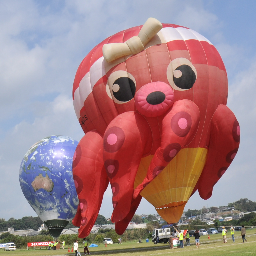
pixel 46 180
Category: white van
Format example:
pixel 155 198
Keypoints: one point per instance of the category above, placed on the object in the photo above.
pixel 108 241
pixel 10 247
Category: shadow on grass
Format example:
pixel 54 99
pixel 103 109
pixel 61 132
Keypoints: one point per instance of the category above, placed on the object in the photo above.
pixel 138 249
pixel 125 250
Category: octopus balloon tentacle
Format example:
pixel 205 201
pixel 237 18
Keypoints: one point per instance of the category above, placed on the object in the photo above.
pixel 121 225
pixel 90 180
pixel 179 127
pixel 152 103
pixel 225 138
pixel 124 147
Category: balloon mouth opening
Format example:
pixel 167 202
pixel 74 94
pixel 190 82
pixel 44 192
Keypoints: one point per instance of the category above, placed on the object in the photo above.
pixel 56 226
pixel 171 212
pixel 171 205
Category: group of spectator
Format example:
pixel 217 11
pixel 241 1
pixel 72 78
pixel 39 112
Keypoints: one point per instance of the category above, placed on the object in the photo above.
pixel 53 245
pixel 180 235
pixel 232 232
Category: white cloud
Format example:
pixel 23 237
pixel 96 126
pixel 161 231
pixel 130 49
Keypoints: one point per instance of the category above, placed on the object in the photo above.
pixel 242 100
pixel 42 44
pixel 197 18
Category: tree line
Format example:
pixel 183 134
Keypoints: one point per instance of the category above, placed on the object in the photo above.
pixel 129 235
pixel 97 238
pixel 35 222
pixel 242 205
pixel 248 220
pixel 21 224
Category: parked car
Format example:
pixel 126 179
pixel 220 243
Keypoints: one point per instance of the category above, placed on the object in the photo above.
pixel 203 232
pixel 108 241
pixel 10 247
pixel 212 231
pixel 238 228
pixel 191 232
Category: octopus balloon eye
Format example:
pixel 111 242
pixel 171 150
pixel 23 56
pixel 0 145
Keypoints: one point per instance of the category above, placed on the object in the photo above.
pixel 184 77
pixel 123 89
pixel 181 74
pixel 121 86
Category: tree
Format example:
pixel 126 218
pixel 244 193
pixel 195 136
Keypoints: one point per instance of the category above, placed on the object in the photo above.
pixel 99 239
pixel 151 217
pixel 214 209
pixel 5 235
pixel 101 220
pixel 216 224
pixel 197 224
pixel 204 210
pixel 152 225
pixel 113 235
pixel 19 224
pixel 190 213
pixel 244 205
pixel 248 219
pixel 137 219
pixel 44 232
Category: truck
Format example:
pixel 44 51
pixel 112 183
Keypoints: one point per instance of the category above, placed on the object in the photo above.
pixel 161 235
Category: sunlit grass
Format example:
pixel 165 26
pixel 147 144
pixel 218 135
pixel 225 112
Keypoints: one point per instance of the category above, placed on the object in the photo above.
pixel 213 246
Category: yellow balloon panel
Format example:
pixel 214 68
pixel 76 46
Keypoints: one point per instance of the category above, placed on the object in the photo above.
pixel 177 181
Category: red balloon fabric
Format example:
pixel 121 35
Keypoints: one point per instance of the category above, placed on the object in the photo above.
pixel 155 120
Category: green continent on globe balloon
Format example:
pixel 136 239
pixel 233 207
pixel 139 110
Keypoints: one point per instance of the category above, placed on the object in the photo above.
pixel 45 169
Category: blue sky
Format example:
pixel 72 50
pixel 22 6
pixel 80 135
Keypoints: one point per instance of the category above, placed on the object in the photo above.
pixel 43 42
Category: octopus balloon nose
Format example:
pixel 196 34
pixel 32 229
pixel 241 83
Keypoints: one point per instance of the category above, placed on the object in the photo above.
pixel 155 98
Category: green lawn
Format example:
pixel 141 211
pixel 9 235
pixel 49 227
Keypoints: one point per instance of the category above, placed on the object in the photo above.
pixel 214 246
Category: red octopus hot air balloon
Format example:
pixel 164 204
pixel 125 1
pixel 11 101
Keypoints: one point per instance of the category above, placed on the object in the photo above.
pixel 152 103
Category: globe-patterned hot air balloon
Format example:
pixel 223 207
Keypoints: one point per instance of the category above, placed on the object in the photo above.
pixel 152 103
pixel 46 180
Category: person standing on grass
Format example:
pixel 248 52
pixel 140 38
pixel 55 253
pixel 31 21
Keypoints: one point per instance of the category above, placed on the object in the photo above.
pixel 224 235
pixel 85 246
pixel 77 253
pixel 187 239
pixel 196 235
pixel 180 235
pixel 171 239
pixel 63 244
pixel 76 247
pixel 243 233
pixel 232 232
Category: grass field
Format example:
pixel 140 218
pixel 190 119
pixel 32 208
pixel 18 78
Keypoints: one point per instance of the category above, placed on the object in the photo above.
pixel 214 246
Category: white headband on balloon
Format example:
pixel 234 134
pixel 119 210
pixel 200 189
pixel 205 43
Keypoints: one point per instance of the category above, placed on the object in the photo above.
pixel 112 56
pixel 133 45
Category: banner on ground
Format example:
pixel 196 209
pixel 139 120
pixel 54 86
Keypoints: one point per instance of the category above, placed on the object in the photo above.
pixel 39 244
